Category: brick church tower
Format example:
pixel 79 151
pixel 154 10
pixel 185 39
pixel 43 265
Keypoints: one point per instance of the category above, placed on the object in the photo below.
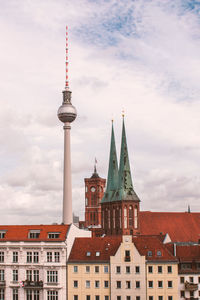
pixel 94 191
pixel 120 205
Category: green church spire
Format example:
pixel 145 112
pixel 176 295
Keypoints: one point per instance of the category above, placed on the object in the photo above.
pixel 112 179
pixel 125 189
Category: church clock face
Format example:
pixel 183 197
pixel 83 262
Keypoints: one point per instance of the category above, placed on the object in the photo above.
pixel 93 189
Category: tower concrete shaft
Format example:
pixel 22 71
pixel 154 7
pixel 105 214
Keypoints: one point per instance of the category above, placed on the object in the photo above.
pixel 67 182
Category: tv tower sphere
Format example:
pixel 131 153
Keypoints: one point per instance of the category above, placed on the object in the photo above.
pixel 67 112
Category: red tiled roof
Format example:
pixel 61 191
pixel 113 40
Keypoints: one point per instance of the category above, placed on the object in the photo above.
pixel 181 226
pixel 188 252
pixel 21 232
pixel 145 243
pixel 107 246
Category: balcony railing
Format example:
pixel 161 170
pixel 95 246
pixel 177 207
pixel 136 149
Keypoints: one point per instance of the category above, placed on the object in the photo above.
pixel 32 284
pixel 127 258
pixel 2 283
pixel 189 286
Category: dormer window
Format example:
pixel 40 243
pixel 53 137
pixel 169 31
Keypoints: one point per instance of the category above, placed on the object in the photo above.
pixel 159 253
pixel 34 234
pixel 149 253
pixel 2 234
pixel 53 235
pixel 97 253
pixel 88 253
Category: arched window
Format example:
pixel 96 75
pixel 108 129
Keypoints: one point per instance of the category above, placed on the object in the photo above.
pixel 135 217
pixel 120 218
pixel 130 216
pixel 114 218
pixel 125 217
pixel 86 201
pixel 109 219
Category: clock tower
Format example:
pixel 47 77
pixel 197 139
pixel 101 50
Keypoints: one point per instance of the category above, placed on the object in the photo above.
pixel 94 191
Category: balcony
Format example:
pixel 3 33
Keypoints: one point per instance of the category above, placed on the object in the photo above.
pixel 2 283
pixel 27 284
pixel 127 258
pixel 189 286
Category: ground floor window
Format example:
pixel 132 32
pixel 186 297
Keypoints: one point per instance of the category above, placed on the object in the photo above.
pixel 15 294
pixel 52 295
pixel 2 294
pixel 32 295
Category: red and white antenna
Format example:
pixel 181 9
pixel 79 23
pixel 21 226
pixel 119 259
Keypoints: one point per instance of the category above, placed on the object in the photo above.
pixel 66 62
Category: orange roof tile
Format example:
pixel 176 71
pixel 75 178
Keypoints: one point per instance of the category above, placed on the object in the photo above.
pixel 107 246
pixel 181 226
pixel 146 243
pixel 20 232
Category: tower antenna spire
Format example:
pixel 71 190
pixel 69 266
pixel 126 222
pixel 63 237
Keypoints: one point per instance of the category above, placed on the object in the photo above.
pixel 66 62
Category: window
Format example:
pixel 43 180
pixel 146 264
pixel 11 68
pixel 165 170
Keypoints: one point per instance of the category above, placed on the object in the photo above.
pixel 49 256
pixel 191 279
pixel 106 284
pixel 28 257
pixel 149 253
pixel 170 298
pixel 118 284
pixel 118 269
pixel 128 284
pixel 182 280
pixel 169 269
pixel 137 284
pixel 128 270
pixel 191 294
pixel 52 276
pixel 106 297
pixel 97 284
pixel 34 234
pixel 186 266
pixel 15 275
pixel 2 234
pixel 96 268
pixel 35 257
pixel 29 275
pixel 137 269
pixel 75 269
pixel 34 295
pixel 160 297
pixel 87 269
pixel 150 269
pixel 15 256
pixel 118 297
pixel 150 297
pixel 2 275
pixel 88 253
pixel 15 294
pixel 75 297
pixel 137 297
pixel 150 284
pixel 128 297
pixel 53 235
pixel 169 284
pixel 57 256
pixel 87 283
pixel 105 269
pixel 199 279
pixel 87 297
pixel 2 294
pixel 1 256
pixel 160 284
pixel 159 253
pixel 127 255
pixel 75 283
pixel 97 253
pixel 52 295
pixel 159 269
pixel 36 275
pixel 97 297
pixel 182 294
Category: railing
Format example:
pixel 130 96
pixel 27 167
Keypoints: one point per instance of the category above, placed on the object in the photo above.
pixel 189 286
pixel 127 258
pixel 32 284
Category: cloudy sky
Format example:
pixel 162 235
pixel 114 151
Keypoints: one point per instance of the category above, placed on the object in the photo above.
pixel 142 56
